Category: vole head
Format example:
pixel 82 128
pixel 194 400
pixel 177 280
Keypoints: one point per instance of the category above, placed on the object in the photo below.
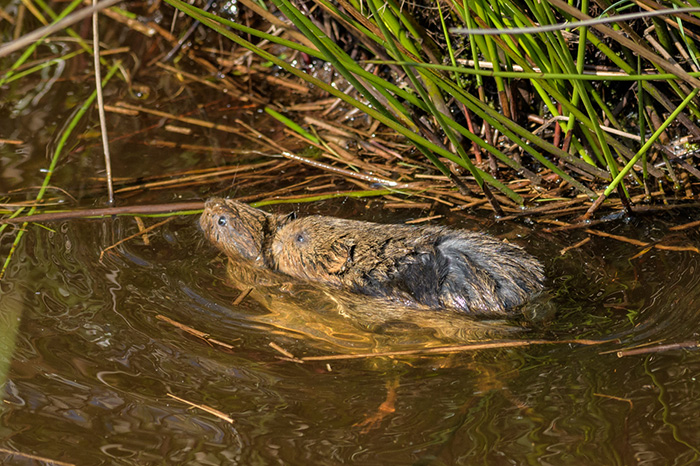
pixel 237 229
pixel 312 248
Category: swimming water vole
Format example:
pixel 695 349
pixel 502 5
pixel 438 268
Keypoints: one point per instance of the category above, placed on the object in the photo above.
pixel 429 266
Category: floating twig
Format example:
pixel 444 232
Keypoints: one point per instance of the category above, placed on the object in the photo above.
pixel 172 116
pixel 616 398
pixel 205 408
pixel 242 296
pixel 106 212
pixel 575 246
pixel 685 226
pixel 456 349
pixel 665 247
pixel 286 353
pixel 423 219
pixel 35 457
pixel 142 230
pixel 194 332
pixel 348 173
pixel 139 233
pixel 659 349
pixel 624 239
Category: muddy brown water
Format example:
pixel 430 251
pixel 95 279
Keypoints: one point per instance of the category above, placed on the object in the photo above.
pixel 87 366
pixel 92 365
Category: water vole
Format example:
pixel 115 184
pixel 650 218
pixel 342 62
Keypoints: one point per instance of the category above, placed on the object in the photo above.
pixel 431 266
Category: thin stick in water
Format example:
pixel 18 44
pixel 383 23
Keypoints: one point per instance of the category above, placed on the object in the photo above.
pixel 205 408
pixel 659 349
pixel 101 103
pixel 455 349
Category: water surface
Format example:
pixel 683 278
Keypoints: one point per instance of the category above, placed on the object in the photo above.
pixel 88 365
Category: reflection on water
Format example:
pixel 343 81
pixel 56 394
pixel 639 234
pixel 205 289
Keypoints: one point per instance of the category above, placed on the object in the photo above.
pixel 349 322
pixel 93 365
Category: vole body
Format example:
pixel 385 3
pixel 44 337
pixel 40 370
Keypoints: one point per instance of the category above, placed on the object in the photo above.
pixel 431 266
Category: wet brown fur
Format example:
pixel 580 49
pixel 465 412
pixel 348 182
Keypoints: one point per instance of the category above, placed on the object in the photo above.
pixel 430 266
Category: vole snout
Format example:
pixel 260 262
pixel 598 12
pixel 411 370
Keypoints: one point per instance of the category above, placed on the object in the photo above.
pixel 236 228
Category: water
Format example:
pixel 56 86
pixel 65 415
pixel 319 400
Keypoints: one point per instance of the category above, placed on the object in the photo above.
pixel 92 365
pixel 87 365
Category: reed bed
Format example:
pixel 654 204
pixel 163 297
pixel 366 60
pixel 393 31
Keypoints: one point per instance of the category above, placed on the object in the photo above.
pixel 527 105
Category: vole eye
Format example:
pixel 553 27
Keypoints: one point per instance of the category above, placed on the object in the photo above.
pixel 300 238
pixel 222 221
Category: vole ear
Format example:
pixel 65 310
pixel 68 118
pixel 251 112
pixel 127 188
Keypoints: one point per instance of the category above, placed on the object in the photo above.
pixel 288 218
